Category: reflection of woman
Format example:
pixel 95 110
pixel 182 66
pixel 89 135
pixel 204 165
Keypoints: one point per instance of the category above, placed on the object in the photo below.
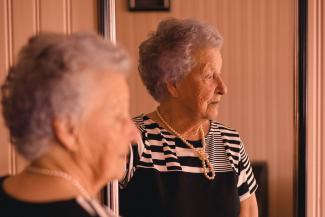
pixel 187 164
pixel 65 103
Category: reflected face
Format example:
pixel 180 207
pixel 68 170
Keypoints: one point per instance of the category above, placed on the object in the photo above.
pixel 202 89
pixel 106 130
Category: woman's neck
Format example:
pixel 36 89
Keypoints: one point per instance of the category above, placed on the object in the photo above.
pixel 181 120
pixel 78 170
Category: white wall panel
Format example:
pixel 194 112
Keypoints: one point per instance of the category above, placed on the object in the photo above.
pixel 19 20
pixel 316 110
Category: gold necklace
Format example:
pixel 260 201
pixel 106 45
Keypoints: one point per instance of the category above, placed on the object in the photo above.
pixel 200 152
pixel 63 175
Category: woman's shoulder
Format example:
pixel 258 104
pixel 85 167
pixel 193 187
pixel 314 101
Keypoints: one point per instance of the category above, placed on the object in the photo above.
pixel 224 130
pixel 145 122
pixel 139 121
pixel 2 192
pixel 230 137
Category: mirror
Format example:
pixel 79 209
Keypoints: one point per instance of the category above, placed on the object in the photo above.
pixel 260 68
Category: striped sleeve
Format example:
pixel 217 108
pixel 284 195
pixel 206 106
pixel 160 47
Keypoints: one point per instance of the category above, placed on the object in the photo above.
pixel 246 181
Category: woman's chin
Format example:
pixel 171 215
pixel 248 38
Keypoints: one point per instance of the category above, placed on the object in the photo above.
pixel 118 170
pixel 213 112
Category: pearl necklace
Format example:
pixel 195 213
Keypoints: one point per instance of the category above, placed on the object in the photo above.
pixel 200 152
pixel 63 175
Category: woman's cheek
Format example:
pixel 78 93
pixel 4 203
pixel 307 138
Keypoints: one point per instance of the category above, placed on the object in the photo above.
pixel 205 96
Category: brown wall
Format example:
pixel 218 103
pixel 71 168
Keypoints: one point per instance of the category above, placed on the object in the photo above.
pixel 259 68
pixel 19 19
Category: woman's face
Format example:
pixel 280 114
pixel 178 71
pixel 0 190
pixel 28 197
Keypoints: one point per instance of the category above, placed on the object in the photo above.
pixel 202 89
pixel 106 130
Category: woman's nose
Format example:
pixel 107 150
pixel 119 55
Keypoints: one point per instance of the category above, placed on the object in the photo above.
pixel 222 87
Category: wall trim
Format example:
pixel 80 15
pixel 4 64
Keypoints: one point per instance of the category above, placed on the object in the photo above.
pixel 314 110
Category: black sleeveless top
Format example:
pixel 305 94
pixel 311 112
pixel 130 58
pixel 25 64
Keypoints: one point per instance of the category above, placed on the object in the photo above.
pixel 75 207
pixel 165 178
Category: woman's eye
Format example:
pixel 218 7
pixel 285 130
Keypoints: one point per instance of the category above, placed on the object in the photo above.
pixel 209 76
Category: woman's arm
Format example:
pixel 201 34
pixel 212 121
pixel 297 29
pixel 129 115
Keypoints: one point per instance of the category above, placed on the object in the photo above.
pixel 248 207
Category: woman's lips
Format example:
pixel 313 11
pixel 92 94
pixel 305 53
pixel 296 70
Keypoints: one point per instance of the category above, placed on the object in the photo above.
pixel 215 102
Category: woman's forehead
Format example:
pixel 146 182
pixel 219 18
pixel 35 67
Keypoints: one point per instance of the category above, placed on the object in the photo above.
pixel 208 59
pixel 207 54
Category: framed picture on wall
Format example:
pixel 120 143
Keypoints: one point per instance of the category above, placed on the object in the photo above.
pixel 149 5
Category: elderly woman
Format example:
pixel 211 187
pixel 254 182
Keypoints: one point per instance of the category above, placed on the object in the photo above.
pixel 66 104
pixel 186 164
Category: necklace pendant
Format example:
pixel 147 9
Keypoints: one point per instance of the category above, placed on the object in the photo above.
pixel 201 154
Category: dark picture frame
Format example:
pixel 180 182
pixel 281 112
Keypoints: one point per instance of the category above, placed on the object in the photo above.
pixel 149 5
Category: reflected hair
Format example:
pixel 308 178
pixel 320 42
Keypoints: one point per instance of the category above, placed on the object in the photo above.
pixel 51 79
pixel 167 55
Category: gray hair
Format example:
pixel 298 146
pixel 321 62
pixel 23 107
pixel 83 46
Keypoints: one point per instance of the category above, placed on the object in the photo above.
pixel 50 80
pixel 167 55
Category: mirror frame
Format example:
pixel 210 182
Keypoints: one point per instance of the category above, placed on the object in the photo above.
pixel 107 28
pixel 301 105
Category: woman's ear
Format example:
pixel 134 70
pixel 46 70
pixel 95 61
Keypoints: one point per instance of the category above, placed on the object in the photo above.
pixel 172 89
pixel 65 133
